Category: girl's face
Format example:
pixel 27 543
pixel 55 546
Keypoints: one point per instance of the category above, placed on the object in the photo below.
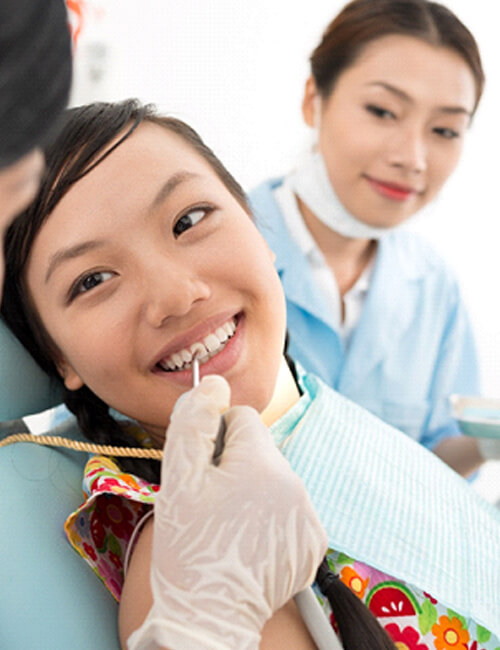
pixel 392 130
pixel 146 256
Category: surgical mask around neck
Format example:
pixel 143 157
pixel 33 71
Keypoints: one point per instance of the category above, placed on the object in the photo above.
pixel 310 182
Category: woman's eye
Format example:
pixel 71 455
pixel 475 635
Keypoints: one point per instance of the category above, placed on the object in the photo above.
pixel 89 282
pixel 449 134
pixel 378 111
pixel 190 219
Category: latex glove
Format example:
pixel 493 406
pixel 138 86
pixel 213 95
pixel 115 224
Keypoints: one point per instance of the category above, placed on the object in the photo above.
pixel 489 448
pixel 231 544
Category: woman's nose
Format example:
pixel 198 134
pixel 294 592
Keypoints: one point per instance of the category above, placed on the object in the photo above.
pixel 408 150
pixel 171 289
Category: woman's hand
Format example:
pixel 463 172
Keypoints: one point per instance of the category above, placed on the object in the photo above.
pixel 231 544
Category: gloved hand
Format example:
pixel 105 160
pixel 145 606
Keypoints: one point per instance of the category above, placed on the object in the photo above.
pixel 489 448
pixel 231 544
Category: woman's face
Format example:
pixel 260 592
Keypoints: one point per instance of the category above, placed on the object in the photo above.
pixel 392 130
pixel 146 256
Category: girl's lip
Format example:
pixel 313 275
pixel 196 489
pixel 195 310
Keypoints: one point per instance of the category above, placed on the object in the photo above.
pixel 193 335
pixel 392 190
pixel 218 364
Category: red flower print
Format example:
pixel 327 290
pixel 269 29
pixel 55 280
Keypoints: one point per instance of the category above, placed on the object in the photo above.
pixel 97 530
pixel 115 515
pixel 334 623
pixel 117 561
pixel 90 551
pixel 407 639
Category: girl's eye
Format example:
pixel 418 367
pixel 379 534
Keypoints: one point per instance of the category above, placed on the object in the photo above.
pixel 449 134
pixel 190 219
pixel 88 282
pixel 378 111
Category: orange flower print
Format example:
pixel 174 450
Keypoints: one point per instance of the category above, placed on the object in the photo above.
pixel 450 634
pixel 354 581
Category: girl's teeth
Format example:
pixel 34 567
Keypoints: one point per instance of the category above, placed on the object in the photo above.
pixel 198 349
pixel 203 350
pixel 177 359
pixel 229 328
pixel 221 334
pixel 211 342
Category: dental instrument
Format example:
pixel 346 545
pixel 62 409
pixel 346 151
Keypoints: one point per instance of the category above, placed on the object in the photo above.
pixel 219 440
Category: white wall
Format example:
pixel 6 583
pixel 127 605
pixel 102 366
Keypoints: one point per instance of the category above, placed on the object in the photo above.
pixel 234 69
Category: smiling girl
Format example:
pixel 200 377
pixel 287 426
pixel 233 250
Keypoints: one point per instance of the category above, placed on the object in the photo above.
pixel 140 251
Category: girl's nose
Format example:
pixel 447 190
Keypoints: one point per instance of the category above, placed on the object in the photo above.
pixel 171 289
pixel 408 151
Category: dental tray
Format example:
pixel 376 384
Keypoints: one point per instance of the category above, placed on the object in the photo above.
pixel 477 416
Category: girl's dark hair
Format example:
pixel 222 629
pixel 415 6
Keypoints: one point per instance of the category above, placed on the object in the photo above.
pixel 90 133
pixel 363 21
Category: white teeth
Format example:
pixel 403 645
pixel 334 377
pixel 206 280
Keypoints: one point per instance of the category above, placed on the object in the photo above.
pixel 221 334
pixel 229 328
pixel 177 359
pixel 211 342
pixel 198 349
pixel 204 350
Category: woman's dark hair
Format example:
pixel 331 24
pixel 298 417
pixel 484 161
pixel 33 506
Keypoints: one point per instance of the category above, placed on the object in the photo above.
pixel 90 133
pixel 363 21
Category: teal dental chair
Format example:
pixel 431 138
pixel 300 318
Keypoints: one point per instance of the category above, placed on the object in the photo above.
pixel 49 598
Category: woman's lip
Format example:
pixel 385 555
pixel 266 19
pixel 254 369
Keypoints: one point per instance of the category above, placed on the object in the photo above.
pixel 219 364
pixel 392 190
pixel 193 335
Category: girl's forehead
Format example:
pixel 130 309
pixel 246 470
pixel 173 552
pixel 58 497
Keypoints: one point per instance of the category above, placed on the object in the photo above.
pixel 146 158
pixel 156 144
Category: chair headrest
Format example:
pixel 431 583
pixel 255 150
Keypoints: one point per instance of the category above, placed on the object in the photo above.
pixel 24 387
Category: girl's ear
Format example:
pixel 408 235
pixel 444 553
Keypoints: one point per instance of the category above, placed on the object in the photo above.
pixel 310 103
pixel 71 378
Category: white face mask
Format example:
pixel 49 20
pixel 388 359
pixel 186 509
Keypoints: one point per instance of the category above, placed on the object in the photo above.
pixel 310 182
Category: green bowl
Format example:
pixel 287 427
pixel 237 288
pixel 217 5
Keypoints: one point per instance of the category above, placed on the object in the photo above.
pixel 477 416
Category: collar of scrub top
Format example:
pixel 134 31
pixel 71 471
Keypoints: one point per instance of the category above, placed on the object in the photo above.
pixel 385 314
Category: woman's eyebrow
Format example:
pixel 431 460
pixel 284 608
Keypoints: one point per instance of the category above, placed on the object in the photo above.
pixel 405 97
pixel 70 253
pixel 169 186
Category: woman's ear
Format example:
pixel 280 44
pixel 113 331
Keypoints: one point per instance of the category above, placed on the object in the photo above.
pixel 71 378
pixel 310 103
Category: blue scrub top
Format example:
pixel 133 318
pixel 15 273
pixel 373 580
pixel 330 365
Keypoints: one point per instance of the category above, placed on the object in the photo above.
pixel 413 345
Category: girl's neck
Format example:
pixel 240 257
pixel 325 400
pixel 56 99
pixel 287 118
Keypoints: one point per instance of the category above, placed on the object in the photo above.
pixel 285 395
pixel 346 257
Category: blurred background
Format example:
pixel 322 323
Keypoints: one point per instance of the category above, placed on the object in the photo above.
pixel 235 70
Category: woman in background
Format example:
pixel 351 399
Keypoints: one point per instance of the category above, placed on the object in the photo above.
pixel 371 308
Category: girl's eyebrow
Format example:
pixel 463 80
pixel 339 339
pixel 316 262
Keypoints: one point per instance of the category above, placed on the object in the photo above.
pixel 405 97
pixel 169 186
pixel 84 247
pixel 70 253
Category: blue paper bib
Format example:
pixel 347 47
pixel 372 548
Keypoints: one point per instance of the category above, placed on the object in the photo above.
pixel 393 505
